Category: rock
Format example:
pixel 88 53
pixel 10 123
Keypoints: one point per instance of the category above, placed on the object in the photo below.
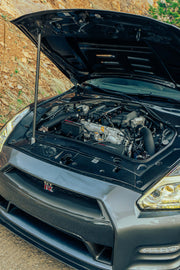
pixel 45 65
pixel 23 60
pixel 19 86
pixel 26 54
pixel 11 86
pixel 2 43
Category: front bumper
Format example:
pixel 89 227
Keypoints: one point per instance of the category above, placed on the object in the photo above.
pixel 86 223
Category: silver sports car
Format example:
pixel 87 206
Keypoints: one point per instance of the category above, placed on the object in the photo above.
pixel 92 176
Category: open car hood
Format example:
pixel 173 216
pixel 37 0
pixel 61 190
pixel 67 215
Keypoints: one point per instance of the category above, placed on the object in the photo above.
pixel 87 44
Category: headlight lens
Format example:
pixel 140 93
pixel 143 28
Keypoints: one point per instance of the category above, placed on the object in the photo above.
pixel 165 194
pixel 9 126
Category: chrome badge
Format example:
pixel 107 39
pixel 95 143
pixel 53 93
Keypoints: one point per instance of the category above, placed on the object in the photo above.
pixel 48 187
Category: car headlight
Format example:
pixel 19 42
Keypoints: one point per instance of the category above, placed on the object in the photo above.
pixel 165 194
pixel 9 126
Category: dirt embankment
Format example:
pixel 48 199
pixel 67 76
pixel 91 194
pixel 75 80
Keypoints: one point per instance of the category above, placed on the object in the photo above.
pixel 17 66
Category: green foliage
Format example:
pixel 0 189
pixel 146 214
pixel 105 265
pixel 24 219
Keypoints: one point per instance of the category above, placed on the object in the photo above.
pixel 3 119
pixel 19 101
pixel 167 11
pixel 19 93
pixel 4 17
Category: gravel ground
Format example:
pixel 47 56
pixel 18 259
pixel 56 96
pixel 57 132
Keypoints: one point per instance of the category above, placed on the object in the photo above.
pixel 17 254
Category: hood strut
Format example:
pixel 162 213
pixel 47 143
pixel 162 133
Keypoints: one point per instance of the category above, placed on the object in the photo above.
pixel 36 87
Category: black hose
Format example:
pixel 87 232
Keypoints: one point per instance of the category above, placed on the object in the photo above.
pixel 148 140
pixel 56 120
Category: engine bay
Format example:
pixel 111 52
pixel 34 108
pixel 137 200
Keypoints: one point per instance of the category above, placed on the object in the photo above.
pixel 124 128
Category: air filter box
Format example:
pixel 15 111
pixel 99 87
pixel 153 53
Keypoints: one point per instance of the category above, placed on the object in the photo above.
pixel 70 128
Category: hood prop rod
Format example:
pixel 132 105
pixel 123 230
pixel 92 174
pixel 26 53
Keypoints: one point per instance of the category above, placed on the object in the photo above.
pixel 33 140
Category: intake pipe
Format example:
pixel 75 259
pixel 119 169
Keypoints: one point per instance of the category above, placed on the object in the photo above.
pixel 148 140
pixel 56 120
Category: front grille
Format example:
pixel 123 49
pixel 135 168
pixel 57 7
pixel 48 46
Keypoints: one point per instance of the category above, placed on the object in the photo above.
pixel 66 199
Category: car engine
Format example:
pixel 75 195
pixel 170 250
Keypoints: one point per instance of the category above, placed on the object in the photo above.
pixel 126 129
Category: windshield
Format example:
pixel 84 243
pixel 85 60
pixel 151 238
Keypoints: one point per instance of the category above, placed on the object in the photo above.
pixel 135 87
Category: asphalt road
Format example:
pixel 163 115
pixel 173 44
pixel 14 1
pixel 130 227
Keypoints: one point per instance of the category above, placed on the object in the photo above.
pixel 17 254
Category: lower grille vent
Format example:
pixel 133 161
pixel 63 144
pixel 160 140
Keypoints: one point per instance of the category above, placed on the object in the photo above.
pixel 97 252
pixel 3 203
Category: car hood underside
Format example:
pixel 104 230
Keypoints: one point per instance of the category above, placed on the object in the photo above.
pixel 87 44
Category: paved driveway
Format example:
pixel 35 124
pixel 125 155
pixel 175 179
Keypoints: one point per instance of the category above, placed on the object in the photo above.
pixel 17 254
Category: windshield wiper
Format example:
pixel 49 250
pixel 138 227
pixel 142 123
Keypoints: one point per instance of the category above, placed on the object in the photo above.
pixel 157 98
pixel 106 91
pixel 149 110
